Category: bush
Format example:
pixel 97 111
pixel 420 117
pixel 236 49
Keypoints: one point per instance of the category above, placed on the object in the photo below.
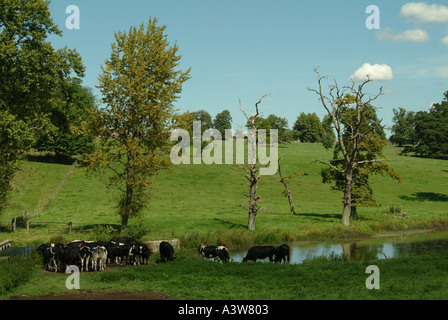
pixel 135 232
pixel 14 273
pixel 103 233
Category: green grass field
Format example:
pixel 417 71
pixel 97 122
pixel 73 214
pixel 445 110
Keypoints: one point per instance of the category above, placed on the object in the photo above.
pixel 192 279
pixel 205 202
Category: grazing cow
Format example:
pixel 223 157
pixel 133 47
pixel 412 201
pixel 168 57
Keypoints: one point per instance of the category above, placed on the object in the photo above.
pixel 260 252
pixel 218 253
pixel 99 258
pixel 282 253
pixel 166 251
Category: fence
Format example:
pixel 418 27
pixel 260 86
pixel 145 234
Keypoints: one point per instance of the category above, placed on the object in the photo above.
pixel 7 252
pixel 51 227
pixel 26 214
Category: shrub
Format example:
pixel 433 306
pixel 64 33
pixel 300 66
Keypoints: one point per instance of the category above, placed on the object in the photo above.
pixel 102 233
pixel 14 273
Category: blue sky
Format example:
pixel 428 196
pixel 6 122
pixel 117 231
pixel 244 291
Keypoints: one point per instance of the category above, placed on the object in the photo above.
pixel 247 48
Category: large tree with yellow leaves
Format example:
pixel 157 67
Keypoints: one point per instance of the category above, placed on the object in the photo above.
pixel 139 84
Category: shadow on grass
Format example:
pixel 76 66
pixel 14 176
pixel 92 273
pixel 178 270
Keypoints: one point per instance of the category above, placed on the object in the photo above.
pixel 77 227
pixel 321 216
pixel 426 196
pixel 49 158
pixel 231 225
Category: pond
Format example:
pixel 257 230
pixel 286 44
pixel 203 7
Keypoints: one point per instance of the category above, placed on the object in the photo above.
pixel 376 247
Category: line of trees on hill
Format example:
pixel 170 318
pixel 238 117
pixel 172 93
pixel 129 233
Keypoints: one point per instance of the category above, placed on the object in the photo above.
pixel 306 128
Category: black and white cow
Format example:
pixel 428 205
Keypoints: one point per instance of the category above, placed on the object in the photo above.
pixel 145 252
pixel 260 252
pixel 166 251
pixel 47 256
pixel 72 254
pixel 282 253
pixel 139 254
pixel 58 251
pixel 99 258
pixel 216 252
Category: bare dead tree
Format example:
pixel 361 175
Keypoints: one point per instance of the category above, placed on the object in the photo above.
pixel 287 192
pixel 253 168
pixel 348 139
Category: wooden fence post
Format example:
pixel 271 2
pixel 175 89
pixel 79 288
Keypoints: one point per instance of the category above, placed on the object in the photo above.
pixel 14 225
pixel 70 227
pixel 28 226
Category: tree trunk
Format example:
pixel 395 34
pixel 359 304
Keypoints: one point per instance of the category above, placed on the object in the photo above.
pixel 251 224
pixel 347 198
pixel 253 199
pixel 290 199
pixel 127 208
pixel 124 223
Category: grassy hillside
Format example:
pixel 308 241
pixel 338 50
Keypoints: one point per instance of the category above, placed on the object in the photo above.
pixel 205 201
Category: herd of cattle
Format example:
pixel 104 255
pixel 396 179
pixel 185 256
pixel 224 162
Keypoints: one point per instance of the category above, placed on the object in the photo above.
pixel 94 256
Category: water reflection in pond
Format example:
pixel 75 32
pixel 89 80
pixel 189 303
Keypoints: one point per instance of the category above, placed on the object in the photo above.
pixel 379 247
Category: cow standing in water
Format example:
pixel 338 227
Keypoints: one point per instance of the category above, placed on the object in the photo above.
pixel 260 252
pixel 282 253
pixel 218 253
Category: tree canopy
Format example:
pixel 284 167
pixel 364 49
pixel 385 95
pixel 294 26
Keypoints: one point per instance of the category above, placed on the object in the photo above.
pixel 223 121
pixel 33 79
pixel 431 131
pixel 308 128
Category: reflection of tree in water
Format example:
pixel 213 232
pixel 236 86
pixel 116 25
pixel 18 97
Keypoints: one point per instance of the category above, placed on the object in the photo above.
pixel 352 252
pixel 413 248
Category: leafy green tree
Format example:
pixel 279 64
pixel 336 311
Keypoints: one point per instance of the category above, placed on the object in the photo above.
pixel 32 72
pixel 139 84
pixel 14 139
pixel 431 131
pixel 403 131
pixel 281 124
pixel 67 115
pixel 308 128
pixel 205 118
pixel 223 121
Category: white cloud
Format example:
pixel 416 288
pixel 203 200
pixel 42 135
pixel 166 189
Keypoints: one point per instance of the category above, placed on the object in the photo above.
pixel 416 35
pixel 422 12
pixel 445 40
pixel 375 72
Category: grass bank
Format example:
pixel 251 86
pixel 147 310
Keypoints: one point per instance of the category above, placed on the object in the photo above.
pixel 321 278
